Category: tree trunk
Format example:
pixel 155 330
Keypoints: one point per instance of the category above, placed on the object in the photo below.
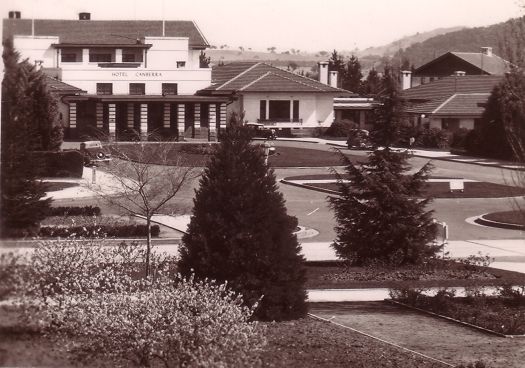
pixel 148 245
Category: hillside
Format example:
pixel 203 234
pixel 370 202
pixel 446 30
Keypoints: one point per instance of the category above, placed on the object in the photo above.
pixel 465 40
pixel 391 48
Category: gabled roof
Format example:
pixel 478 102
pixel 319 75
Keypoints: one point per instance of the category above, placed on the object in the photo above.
pixel 261 77
pixel 483 63
pixel 459 104
pixel 56 86
pixel 95 32
pixel 447 86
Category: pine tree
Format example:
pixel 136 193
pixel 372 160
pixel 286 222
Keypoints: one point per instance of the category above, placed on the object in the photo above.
pixel 351 79
pixel 21 207
pixel 372 84
pixel 337 63
pixel 380 215
pixel 240 231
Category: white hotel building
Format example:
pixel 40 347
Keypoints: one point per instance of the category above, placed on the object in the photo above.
pixel 123 79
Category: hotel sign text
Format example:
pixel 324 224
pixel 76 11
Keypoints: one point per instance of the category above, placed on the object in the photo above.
pixel 137 74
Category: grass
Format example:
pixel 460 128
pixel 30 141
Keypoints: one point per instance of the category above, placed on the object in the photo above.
pixel 337 275
pixel 441 190
pixel 509 217
pixel 305 343
pixel 304 157
pixel 53 186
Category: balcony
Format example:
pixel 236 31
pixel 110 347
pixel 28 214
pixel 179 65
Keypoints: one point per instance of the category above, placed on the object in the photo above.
pixel 277 122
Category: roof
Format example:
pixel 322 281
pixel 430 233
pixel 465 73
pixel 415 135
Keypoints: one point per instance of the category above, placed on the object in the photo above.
pixel 447 86
pixel 95 32
pixel 261 77
pixel 479 62
pixel 148 98
pixel 57 86
pixel 459 104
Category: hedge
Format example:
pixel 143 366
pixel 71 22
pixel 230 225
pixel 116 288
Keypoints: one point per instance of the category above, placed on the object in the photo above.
pixel 74 211
pixel 118 231
pixel 59 164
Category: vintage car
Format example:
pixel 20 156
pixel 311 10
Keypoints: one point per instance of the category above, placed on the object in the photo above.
pixel 259 131
pixel 93 152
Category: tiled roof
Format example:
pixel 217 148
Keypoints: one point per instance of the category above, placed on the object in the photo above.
pixel 105 31
pixel 60 87
pixel 447 86
pixel 261 77
pixel 459 104
pixel 492 65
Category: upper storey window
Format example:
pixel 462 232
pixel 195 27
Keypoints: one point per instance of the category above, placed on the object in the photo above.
pixel 132 55
pixel 71 55
pixel 101 56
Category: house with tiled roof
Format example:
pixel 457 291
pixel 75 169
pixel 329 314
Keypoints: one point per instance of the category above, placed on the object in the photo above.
pixel 450 103
pixel 124 77
pixel 275 97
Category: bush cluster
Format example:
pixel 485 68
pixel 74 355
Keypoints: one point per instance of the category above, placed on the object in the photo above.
pixel 425 137
pixel 74 211
pixel 197 149
pixel 59 164
pixel 98 308
pixel 118 231
pixel 340 129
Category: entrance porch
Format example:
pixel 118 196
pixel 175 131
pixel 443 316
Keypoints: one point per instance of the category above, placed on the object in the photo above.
pixel 132 118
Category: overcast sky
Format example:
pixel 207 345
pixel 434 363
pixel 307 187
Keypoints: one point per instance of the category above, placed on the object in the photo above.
pixel 301 24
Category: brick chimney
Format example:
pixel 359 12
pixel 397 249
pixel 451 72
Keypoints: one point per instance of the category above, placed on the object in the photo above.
pixel 486 51
pixel 15 14
pixel 323 72
pixel 406 79
pixel 84 16
pixel 459 73
pixel 333 78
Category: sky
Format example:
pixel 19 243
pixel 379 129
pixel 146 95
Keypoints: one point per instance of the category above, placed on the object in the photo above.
pixel 310 25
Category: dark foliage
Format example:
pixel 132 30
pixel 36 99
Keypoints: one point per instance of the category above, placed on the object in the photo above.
pixel 240 231
pixel 59 164
pixel 340 129
pixel 351 78
pixel 21 205
pixel 74 211
pixel 371 86
pixel 377 215
pixel 118 231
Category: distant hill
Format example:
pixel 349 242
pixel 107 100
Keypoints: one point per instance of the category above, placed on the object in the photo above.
pixel 393 47
pixel 465 40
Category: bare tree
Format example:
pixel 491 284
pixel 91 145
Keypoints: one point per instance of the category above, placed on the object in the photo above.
pixel 142 178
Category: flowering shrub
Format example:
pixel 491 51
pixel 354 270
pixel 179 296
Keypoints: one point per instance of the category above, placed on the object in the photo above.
pixel 93 292
pixel 116 230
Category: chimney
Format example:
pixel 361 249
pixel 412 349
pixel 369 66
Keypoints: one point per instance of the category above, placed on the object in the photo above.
pixel 486 51
pixel 459 73
pixel 15 14
pixel 406 79
pixel 333 78
pixel 323 72
pixel 84 16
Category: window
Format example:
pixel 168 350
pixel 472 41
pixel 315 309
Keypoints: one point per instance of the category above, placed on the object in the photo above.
pixel 137 89
pixel 181 64
pixel 279 110
pixel 450 124
pixel 104 89
pixel 131 56
pixel 262 110
pixel 71 55
pixel 69 58
pixel 100 56
pixel 169 89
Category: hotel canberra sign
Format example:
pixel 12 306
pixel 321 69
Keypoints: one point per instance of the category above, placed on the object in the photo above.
pixel 137 74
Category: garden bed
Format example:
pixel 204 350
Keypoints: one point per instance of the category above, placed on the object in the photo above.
pixel 507 217
pixel 438 273
pixel 502 313
pixel 53 186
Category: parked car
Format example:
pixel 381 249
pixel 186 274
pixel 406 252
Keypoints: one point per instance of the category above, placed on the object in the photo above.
pixel 93 152
pixel 259 131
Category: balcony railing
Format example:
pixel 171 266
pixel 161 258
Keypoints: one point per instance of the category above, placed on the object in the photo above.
pixel 280 121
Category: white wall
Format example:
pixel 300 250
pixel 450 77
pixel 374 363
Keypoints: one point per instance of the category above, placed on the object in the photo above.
pixel 435 123
pixel 467 123
pixel 314 109
pixel 166 51
pixel 37 48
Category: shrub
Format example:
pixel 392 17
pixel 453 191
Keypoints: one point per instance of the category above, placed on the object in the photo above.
pixel 74 211
pixel 459 138
pixel 118 231
pixel 59 164
pixel 432 138
pixel 340 129
pixel 9 263
pixel 197 149
pixel 82 292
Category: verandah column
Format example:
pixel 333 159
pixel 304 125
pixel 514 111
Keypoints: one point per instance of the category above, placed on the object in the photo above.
pixel 100 115
pixel 131 115
pixel 112 125
pixel 180 120
pixel 197 120
pixel 213 122
pixel 167 116
pixel 143 121
pixel 72 118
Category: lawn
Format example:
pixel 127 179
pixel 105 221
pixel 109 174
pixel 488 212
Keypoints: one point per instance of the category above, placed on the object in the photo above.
pixel 509 217
pixel 432 189
pixel 198 154
pixel 305 343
